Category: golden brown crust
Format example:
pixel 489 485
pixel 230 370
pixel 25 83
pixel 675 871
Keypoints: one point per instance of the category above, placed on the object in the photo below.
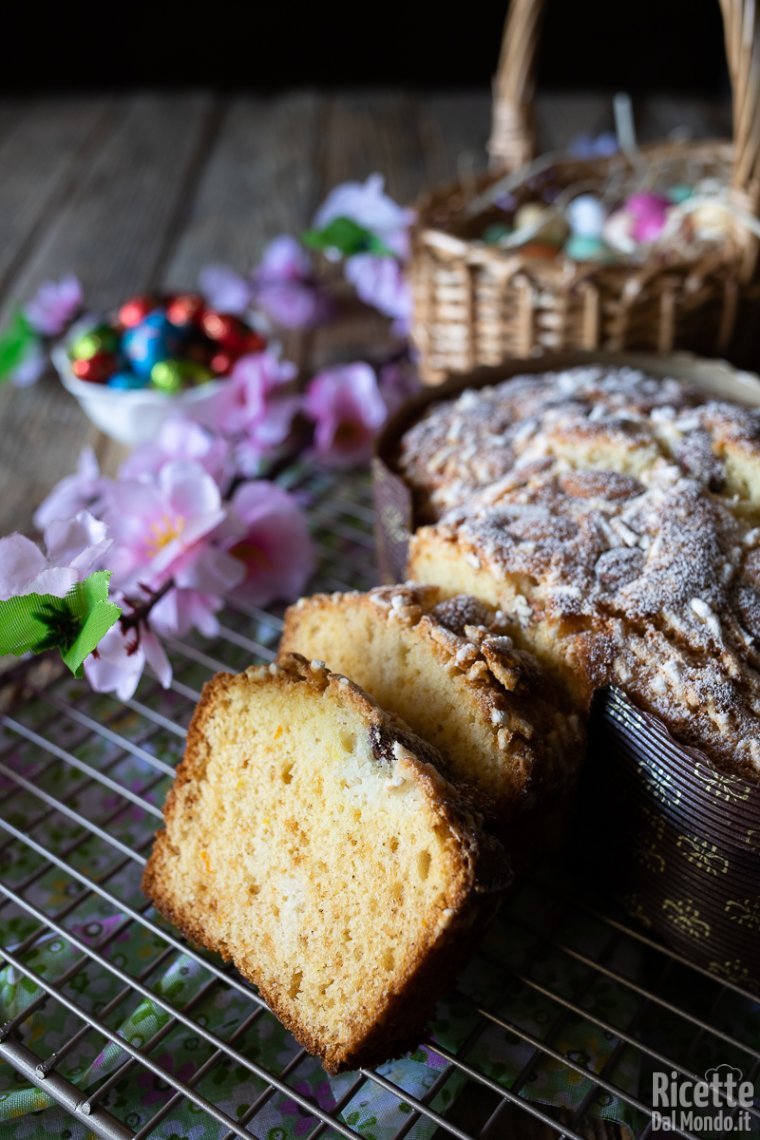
pixel 530 722
pixel 473 892
pixel 618 519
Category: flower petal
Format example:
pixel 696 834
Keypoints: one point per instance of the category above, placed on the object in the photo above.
pixel 21 561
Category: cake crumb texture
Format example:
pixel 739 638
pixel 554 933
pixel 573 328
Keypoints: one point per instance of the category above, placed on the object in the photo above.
pixel 311 840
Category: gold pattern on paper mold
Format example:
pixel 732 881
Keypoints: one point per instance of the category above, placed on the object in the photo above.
pixel 744 912
pixel 650 858
pixel 683 914
pixel 752 839
pixel 731 968
pixel 732 789
pixel 703 854
pixel 659 782
pixel 637 909
pixel 393 523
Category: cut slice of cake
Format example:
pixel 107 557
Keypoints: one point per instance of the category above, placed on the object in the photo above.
pixel 311 840
pixel 451 671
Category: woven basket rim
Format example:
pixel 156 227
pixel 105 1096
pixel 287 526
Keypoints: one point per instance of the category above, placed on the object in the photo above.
pixel 433 236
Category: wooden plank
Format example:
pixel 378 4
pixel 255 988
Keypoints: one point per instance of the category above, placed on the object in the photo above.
pixel 41 153
pixel 453 132
pixel 367 132
pixel 111 231
pixel 260 179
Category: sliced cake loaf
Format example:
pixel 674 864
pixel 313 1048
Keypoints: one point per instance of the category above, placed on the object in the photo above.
pixel 311 839
pixel 451 671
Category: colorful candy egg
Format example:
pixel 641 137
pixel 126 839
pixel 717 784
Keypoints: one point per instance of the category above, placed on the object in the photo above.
pixel 254 342
pixel 681 192
pixel 586 216
pixel 144 347
pixel 617 232
pixel 96 368
pixel 225 328
pixel 166 375
pixel 712 221
pixel 221 362
pixel 102 338
pixel 543 224
pixel 185 309
pixel 649 213
pixel 496 233
pixel 135 310
pixel 582 248
pixel 126 382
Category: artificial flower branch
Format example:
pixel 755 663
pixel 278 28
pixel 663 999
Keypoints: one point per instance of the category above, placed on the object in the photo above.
pixel 196 516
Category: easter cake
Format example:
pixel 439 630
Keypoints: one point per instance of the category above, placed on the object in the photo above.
pixel 449 669
pixel 311 839
pixel 615 521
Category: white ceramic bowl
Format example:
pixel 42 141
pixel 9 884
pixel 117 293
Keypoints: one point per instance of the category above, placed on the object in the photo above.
pixel 134 417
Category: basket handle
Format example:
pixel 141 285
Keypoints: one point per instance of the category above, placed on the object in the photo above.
pixel 513 135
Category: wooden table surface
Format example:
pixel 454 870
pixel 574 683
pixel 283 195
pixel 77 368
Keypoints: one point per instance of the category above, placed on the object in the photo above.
pixel 139 191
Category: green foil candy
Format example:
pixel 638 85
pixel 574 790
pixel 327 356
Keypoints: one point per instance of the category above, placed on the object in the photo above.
pixel 89 344
pixel 167 376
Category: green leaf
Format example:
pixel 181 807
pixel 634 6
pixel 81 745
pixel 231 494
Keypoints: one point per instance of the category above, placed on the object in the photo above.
pixel 15 342
pixel 74 624
pixel 346 236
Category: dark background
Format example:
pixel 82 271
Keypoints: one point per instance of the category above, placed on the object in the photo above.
pixel 665 45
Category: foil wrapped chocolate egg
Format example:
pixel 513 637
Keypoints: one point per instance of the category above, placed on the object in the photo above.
pixel 226 329
pixel 542 224
pixel 167 376
pixel 96 369
pixel 126 382
pixel 135 310
pixel 144 347
pixel 102 338
pixel 185 310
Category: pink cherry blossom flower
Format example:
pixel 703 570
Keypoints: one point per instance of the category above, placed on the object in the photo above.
pixel 120 658
pixel 284 287
pixel 54 305
pixel 225 289
pixel 180 438
pixel 75 547
pixel 155 524
pixel 243 401
pixel 381 283
pixel 267 531
pixel 182 610
pixel 202 577
pixel 81 491
pixel 367 204
pixel 347 409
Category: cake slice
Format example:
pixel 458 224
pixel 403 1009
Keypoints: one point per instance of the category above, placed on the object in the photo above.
pixel 451 671
pixel 311 840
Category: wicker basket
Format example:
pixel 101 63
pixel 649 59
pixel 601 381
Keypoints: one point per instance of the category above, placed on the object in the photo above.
pixel 477 304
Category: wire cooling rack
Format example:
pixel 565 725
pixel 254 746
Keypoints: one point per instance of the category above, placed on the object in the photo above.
pixel 554 1029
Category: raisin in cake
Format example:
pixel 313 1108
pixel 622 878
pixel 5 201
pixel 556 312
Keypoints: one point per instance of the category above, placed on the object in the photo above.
pixel 616 522
pixel 450 670
pixel 311 840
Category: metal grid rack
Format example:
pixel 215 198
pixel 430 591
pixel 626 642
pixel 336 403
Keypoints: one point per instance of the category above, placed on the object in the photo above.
pixel 564 993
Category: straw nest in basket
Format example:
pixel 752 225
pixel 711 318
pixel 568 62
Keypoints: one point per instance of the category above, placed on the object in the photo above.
pixel 477 303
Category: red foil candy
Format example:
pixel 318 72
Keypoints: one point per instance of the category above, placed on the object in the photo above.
pixel 225 328
pixel 185 309
pixel 221 362
pixel 255 342
pixel 135 310
pixel 97 369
